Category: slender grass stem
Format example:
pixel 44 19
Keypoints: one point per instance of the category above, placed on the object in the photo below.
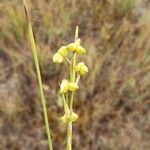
pixel 35 57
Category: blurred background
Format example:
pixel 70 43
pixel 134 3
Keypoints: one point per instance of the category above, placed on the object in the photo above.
pixel 113 103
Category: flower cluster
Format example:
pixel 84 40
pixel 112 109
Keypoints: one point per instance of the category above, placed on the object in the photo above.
pixel 81 68
pixel 66 85
pixel 63 51
pixel 70 85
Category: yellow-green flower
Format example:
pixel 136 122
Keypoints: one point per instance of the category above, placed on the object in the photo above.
pixel 72 47
pixel 64 86
pixel 78 66
pixel 80 50
pixel 63 51
pixel 75 47
pixel 73 86
pixel 57 58
pixel 81 68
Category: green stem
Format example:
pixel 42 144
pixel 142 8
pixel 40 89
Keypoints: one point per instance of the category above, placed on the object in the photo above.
pixel 73 66
pixel 35 57
pixel 69 125
pixel 69 136
pixel 78 78
pixel 72 78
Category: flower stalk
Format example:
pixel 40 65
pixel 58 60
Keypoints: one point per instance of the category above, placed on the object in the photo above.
pixel 68 87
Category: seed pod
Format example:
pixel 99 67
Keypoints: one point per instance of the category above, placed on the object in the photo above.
pixel 63 51
pixel 73 86
pixel 64 86
pixel 57 58
pixel 72 47
pixel 80 50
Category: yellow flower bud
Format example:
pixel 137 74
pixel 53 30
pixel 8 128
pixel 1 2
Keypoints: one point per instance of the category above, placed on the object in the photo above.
pixel 84 70
pixel 73 86
pixel 81 68
pixel 73 117
pixel 64 119
pixel 80 50
pixel 64 86
pixel 57 58
pixel 72 47
pixel 75 47
pixel 63 51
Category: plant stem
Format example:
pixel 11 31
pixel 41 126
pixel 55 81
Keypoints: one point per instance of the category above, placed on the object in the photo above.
pixel 78 78
pixel 35 57
pixel 72 78
pixel 69 136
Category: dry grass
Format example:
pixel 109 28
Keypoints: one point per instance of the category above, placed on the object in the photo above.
pixel 114 103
